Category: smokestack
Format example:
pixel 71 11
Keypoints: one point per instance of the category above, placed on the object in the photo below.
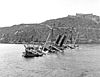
pixel 58 39
pixel 62 40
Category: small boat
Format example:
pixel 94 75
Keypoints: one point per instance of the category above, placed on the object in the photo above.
pixel 28 54
pixel 32 52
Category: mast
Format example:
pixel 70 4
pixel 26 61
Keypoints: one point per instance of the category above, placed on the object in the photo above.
pixel 52 35
pixel 46 40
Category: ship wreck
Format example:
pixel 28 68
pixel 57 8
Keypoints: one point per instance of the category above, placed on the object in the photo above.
pixel 57 46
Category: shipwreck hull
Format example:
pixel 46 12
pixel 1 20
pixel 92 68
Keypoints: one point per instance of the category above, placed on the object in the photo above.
pixel 31 54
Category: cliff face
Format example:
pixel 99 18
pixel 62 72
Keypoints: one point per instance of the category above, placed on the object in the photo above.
pixel 88 26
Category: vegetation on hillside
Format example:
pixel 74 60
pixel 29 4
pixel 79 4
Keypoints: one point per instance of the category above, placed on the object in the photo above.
pixel 88 26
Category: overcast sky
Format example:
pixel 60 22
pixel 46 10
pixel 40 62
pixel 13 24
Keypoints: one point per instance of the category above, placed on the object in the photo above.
pixel 36 11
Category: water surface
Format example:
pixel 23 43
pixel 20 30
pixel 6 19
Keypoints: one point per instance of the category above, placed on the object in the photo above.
pixel 81 62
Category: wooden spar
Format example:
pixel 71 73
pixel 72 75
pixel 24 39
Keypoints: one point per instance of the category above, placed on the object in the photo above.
pixel 47 40
pixel 52 35
pixel 57 49
pixel 77 37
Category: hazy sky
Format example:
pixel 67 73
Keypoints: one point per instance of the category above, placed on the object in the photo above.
pixel 36 11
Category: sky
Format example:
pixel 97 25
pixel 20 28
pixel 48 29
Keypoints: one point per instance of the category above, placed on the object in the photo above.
pixel 36 11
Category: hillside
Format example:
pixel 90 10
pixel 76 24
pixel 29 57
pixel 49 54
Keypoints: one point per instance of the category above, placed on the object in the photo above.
pixel 88 26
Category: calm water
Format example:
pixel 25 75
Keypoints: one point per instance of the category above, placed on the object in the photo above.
pixel 82 62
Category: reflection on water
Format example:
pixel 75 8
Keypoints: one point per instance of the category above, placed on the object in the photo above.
pixel 82 62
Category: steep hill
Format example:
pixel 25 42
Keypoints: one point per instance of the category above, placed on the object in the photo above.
pixel 88 26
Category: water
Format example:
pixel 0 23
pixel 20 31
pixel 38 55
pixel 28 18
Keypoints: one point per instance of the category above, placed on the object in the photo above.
pixel 82 62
